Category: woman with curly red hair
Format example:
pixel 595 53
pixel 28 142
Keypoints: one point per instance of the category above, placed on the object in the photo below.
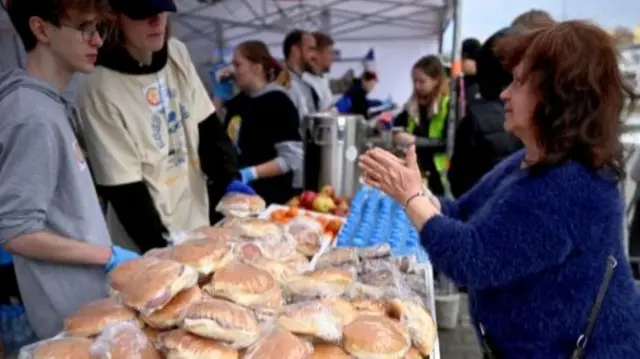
pixel 538 241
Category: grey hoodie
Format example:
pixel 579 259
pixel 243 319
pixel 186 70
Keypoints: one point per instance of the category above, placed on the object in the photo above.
pixel 46 185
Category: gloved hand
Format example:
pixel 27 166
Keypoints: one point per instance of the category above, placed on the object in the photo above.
pixel 119 255
pixel 239 187
pixel 343 105
pixel 248 174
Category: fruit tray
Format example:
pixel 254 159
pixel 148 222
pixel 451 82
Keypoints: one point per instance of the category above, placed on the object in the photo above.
pixel 375 218
pixel 331 224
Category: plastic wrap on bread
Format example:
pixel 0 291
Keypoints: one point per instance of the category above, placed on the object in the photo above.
pixel 170 315
pixel 205 255
pixel 312 319
pixel 180 344
pixel 90 319
pixel 154 283
pixel 379 251
pixel 123 341
pixel 338 256
pixel 222 320
pixel 279 344
pixel 59 347
pixel 421 326
pixel 241 205
pixel 376 337
pixel 329 351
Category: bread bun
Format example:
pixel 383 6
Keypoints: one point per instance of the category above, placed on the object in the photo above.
pixel 329 351
pixel 305 287
pixel 205 255
pixel 338 256
pixel 153 335
pixel 308 241
pixel 123 341
pixel 91 319
pixel 153 286
pixel 120 276
pixel 243 284
pixel 338 276
pixel 279 270
pixel 169 316
pixel 422 328
pixel 179 344
pixel 218 234
pixel 241 205
pixel 344 309
pixel 370 307
pixel 376 337
pixel 311 319
pixel 298 262
pixel 279 344
pixel 223 321
pixel 258 228
pixel 63 348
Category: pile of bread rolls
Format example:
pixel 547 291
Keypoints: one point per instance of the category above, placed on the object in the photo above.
pixel 252 289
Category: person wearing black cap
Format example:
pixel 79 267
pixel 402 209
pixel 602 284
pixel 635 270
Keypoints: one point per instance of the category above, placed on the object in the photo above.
pixel 481 140
pixel 159 153
pixel 470 50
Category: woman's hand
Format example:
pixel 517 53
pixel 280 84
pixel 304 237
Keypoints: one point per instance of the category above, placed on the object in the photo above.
pixel 399 179
pixel 403 138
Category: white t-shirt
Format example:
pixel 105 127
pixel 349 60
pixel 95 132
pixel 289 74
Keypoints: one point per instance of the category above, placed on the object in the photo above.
pixel 145 128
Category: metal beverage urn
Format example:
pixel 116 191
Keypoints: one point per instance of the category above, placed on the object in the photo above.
pixel 332 144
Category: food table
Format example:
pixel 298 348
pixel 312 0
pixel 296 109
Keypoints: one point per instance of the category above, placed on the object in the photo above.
pixel 253 288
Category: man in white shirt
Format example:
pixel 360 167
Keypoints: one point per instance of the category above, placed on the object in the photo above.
pixel 319 79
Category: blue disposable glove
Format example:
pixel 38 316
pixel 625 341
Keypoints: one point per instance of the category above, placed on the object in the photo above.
pixel 119 255
pixel 248 174
pixel 239 187
pixel 343 105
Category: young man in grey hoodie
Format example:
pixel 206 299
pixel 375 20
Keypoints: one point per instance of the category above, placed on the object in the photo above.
pixel 50 218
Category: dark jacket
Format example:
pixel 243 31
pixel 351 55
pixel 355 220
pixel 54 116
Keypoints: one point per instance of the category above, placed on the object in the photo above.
pixel 481 141
pixel 358 96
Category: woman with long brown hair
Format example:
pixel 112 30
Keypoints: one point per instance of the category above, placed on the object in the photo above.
pixel 263 123
pixel 538 241
pixel 426 115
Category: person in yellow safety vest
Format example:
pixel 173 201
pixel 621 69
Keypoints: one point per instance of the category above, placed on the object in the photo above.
pixel 426 115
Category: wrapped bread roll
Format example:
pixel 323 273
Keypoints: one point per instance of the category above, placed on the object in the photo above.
pixel 338 256
pixel 341 277
pixel 246 285
pixel 279 344
pixel 370 307
pixel 153 335
pixel 308 240
pixel 220 234
pixel 153 286
pixel 169 316
pixel 413 353
pixel 257 228
pixel 123 341
pixel 329 351
pixel 298 261
pixel 378 251
pixel 344 309
pixel 241 205
pixel 91 319
pixel 376 337
pixel 311 319
pixel 63 348
pixel 179 344
pixel 280 271
pixel 223 321
pixel 205 255
pixel 121 275
pixel 422 327
pixel 305 288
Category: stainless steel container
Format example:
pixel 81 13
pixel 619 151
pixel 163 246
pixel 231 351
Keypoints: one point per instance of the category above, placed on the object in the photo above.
pixel 332 145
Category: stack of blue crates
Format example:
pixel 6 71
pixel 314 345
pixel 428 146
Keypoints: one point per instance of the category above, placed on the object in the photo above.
pixel 375 218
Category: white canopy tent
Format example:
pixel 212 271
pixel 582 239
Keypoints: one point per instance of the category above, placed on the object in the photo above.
pixel 399 31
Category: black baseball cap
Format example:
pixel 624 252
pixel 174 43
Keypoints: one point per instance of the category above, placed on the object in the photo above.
pixel 142 9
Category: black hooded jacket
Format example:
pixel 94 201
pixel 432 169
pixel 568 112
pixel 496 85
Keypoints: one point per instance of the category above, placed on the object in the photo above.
pixel 132 202
pixel 481 141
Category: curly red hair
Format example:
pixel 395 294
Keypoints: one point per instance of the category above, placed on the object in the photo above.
pixel 573 67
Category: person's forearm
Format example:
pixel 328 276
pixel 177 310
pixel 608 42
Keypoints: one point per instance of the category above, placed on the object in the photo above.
pixel 269 169
pixel 50 247
pixel 420 210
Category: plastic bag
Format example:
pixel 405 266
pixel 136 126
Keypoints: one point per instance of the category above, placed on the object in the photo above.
pixel 277 343
pixel 312 319
pixel 177 238
pixel 123 340
pixel 378 251
pixel 280 249
pixel 258 228
pixel 304 288
pixel 307 240
pixel 223 321
pixel 337 256
pixel 154 282
pixel 179 344
pixel 91 319
pixel 60 346
pixel 241 205
pixel 419 322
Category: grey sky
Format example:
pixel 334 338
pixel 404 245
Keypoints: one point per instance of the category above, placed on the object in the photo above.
pixel 480 18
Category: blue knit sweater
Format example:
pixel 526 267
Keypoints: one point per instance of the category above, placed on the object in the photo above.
pixel 532 250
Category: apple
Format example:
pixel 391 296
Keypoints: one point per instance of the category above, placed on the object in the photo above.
pixel 341 212
pixel 307 198
pixel 323 204
pixel 294 202
pixel 328 190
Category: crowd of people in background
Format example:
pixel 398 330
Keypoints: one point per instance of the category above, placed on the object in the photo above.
pixel 147 140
